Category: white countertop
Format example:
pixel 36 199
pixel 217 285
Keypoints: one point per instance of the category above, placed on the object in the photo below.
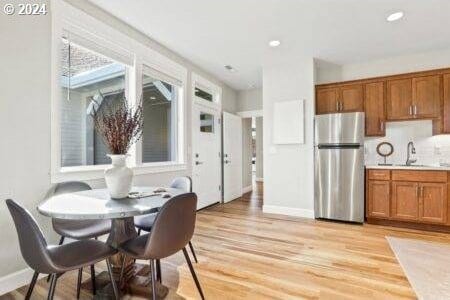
pixel 413 167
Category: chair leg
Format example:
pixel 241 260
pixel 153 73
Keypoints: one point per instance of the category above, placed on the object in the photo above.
pixel 51 291
pixel 80 276
pixel 113 282
pixel 152 276
pixel 191 268
pixel 193 252
pixel 32 284
pixel 61 241
pixel 94 288
pixel 158 271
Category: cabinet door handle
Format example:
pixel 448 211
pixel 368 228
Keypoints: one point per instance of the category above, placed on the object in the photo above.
pixel 337 105
pixel 381 125
pixel 421 191
pixel 417 191
pixel 410 110
pixel 415 109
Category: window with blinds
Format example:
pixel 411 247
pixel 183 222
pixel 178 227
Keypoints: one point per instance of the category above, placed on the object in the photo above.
pixel 89 75
pixel 160 96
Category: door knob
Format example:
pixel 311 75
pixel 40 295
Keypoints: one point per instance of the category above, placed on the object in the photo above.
pixel 199 163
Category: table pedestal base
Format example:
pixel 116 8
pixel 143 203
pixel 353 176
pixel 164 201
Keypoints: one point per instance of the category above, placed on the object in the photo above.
pixel 139 284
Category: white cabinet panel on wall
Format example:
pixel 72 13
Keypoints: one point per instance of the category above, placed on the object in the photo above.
pixel 288 122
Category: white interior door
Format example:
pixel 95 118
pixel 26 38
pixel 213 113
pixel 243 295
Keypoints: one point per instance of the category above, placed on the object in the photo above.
pixel 206 156
pixel 232 157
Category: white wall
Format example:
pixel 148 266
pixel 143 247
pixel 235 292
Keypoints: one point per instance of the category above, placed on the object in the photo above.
pixel 246 153
pixel 25 118
pixel 397 65
pixel 289 169
pixel 259 148
pixel 329 72
pixel 249 100
pixel 326 72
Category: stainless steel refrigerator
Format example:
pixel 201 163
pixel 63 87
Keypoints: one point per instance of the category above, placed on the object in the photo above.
pixel 339 167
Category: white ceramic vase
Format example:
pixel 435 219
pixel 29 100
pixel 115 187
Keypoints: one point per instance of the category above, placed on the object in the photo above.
pixel 118 177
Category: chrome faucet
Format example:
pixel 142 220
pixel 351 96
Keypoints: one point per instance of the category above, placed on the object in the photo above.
pixel 410 149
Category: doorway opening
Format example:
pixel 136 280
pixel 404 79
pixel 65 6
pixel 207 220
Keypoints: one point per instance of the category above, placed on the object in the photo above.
pixel 252 153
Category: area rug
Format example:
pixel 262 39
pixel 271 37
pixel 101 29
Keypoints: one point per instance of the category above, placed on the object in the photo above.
pixel 426 265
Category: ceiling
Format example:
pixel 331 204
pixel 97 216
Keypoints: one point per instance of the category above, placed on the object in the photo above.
pixel 215 33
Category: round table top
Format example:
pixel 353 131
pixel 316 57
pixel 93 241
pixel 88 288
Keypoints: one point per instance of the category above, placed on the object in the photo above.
pixel 97 204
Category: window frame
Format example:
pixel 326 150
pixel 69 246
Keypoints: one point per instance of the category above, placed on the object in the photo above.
pixel 207 86
pixel 66 18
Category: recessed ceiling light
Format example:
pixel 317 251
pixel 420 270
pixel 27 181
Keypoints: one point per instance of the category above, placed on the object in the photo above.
pixel 230 68
pixel 395 16
pixel 274 43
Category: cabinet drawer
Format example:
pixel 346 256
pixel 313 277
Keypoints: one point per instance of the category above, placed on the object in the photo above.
pixel 419 176
pixel 379 174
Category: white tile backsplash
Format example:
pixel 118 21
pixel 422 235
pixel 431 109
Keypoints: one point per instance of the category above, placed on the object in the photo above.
pixel 430 150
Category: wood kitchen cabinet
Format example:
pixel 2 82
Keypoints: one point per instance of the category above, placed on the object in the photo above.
pixel 374 105
pixel 408 197
pixel 347 98
pixel 402 97
pixel 414 98
pixel 405 200
pixel 351 98
pixel 378 193
pixel 399 99
pixel 446 104
pixel 426 96
pixel 433 203
pixel 327 100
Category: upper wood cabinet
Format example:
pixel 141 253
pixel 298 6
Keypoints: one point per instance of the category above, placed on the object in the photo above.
pixel 426 96
pixel 347 98
pixel 446 103
pixel 351 98
pixel 374 105
pixel 399 99
pixel 414 98
pixel 327 100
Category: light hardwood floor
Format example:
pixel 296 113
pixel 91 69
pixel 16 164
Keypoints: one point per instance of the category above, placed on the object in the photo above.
pixel 245 254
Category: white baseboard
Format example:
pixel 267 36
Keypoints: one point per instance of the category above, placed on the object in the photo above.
pixel 289 211
pixel 16 280
pixel 247 189
pixel 259 179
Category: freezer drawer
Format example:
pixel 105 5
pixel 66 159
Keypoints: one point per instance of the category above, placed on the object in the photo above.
pixel 339 183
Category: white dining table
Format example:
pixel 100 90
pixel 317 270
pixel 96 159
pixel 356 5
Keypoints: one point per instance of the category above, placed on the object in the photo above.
pixel 97 204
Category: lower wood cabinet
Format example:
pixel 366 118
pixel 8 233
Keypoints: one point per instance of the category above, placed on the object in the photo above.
pixel 405 200
pixel 407 196
pixel 433 203
pixel 378 198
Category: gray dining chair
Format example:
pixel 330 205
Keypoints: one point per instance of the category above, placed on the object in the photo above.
pixel 171 232
pixel 145 222
pixel 78 229
pixel 55 260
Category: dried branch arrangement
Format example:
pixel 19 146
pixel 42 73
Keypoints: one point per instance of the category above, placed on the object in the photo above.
pixel 119 124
